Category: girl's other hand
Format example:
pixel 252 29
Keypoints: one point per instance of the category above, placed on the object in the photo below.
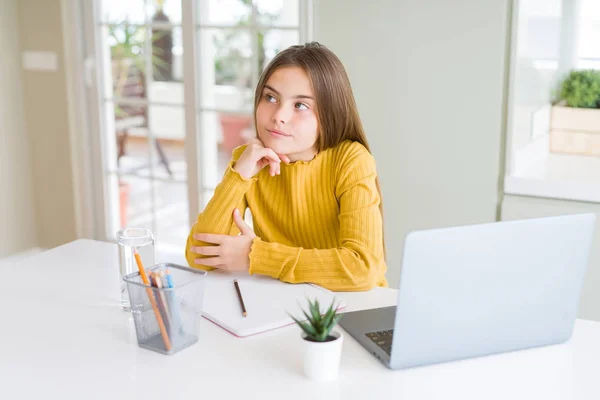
pixel 228 253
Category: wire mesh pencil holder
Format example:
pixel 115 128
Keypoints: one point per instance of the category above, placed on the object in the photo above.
pixel 167 313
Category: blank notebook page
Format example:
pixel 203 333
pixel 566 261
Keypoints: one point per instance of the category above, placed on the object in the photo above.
pixel 267 302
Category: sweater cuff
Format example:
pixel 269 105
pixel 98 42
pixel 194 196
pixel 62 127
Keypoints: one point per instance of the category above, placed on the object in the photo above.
pixel 232 177
pixel 271 258
pixel 232 186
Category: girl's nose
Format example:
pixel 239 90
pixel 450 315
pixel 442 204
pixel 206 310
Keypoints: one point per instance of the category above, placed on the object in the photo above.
pixel 280 116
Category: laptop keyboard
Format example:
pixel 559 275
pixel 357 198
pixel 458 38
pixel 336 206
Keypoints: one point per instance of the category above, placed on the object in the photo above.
pixel 383 339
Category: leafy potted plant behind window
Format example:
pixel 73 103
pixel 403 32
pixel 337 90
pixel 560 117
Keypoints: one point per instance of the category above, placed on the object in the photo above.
pixel 575 124
pixel 322 346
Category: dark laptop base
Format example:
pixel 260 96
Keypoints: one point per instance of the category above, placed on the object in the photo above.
pixel 373 329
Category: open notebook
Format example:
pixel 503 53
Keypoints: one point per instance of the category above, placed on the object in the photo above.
pixel 267 302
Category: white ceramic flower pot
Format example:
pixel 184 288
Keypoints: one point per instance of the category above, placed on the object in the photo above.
pixel 322 359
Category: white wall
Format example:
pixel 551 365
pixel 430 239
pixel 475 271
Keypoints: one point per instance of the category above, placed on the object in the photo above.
pixel 517 207
pixel 17 212
pixel 429 79
pixel 47 123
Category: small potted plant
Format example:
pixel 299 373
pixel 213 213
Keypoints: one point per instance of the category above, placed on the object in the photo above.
pixel 322 346
pixel 575 125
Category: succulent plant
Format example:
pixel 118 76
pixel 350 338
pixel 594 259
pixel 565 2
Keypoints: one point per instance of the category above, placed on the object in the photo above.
pixel 318 327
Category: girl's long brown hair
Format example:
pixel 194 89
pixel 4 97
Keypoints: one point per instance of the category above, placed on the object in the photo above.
pixel 339 120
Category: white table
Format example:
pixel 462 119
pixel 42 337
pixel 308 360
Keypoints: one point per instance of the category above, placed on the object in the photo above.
pixel 63 332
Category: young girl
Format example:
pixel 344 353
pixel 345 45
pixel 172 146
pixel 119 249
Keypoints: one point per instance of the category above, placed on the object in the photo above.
pixel 309 180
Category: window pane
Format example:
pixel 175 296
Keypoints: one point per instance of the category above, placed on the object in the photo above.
pixel 536 66
pixel 220 134
pixel 132 197
pixel 117 11
pixel 276 41
pixel 126 62
pixel 225 75
pixel 172 215
pixel 127 137
pixel 223 12
pixel 166 85
pixel 233 52
pixel 167 124
pixel 277 12
pixel 167 54
pixel 165 11
pixel 589 34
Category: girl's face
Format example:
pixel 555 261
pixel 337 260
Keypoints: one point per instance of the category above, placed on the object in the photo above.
pixel 286 117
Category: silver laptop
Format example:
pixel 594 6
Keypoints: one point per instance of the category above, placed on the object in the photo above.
pixel 481 289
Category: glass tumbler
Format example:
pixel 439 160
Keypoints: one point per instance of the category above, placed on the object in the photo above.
pixel 129 241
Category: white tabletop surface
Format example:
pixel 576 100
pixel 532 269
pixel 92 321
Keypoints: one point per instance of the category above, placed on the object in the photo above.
pixel 63 335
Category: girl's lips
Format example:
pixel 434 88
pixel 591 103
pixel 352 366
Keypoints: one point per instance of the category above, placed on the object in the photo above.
pixel 277 133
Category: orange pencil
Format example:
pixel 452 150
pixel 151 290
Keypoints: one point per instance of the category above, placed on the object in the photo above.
pixel 161 324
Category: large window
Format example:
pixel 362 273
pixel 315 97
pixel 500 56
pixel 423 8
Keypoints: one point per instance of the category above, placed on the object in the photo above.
pixel 553 150
pixel 174 96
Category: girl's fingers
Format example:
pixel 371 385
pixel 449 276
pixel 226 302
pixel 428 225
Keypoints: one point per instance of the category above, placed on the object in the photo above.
pixel 210 237
pixel 262 163
pixel 241 224
pixel 277 169
pixel 273 167
pixel 210 261
pixel 270 154
pixel 284 158
pixel 275 162
pixel 272 158
pixel 207 250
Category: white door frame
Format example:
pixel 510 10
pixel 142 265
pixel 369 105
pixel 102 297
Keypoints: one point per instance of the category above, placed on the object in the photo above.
pixel 80 137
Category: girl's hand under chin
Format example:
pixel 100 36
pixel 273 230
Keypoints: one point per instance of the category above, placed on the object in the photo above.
pixel 255 157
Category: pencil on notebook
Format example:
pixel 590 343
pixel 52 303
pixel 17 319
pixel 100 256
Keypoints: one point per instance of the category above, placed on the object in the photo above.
pixel 241 299
pixel 161 324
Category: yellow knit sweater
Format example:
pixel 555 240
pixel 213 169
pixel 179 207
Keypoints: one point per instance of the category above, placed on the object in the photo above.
pixel 317 222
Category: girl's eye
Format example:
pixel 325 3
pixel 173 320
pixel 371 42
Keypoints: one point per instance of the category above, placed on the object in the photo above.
pixel 270 98
pixel 301 106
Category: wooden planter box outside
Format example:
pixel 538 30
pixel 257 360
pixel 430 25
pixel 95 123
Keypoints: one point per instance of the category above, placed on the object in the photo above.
pixel 575 130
